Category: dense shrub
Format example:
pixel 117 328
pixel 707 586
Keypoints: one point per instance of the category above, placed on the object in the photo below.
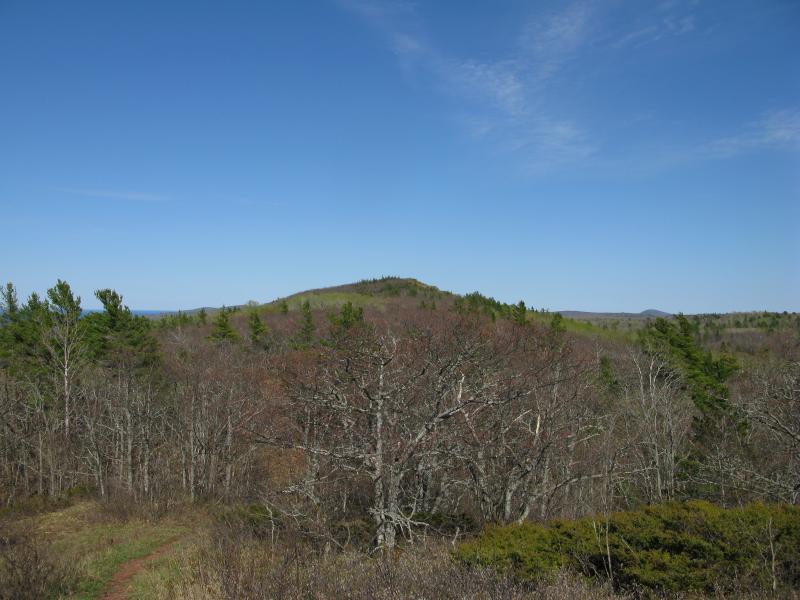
pixel 37 504
pixel 692 546
pixel 28 570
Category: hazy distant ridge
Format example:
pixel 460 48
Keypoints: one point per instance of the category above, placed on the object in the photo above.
pixel 650 313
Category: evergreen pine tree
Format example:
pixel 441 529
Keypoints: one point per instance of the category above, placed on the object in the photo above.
pixel 117 336
pixel 347 317
pixel 519 313
pixel 557 326
pixel 221 330
pixel 305 336
pixel 255 327
pixel 9 322
pixel 10 304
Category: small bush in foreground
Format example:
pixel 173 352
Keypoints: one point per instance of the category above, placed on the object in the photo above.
pixel 29 571
pixel 692 546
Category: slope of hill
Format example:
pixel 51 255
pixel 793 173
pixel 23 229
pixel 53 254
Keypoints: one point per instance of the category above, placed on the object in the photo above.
pixel 390 294
pixel 376 293
pixel 393 295
pixel 402 291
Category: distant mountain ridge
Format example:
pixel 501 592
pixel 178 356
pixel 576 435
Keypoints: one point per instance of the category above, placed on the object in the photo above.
pixel 382 291
pixel 650 313
pixel 388 287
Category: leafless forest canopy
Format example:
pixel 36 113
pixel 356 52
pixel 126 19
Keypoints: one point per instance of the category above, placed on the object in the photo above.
pixel 369 415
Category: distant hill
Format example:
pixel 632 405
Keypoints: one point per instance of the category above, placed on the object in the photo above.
pixel 650 313
pixel 377 293
pixel 384 286
pixel 388 291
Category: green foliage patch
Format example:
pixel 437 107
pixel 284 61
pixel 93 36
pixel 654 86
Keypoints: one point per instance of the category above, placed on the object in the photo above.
pixel 705 374
pixel 689 547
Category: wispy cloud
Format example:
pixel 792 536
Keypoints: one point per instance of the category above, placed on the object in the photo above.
pixel 775 129
pixel 112 195
pixel 669 20
pixel 513 103
pixel 503 100
pixel 547 42
pixel 638 36
pixel 493 85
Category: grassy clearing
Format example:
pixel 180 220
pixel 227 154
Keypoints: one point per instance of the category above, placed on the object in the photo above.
pixel 584 327
pixel 98 546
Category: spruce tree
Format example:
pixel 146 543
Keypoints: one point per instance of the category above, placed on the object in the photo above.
pixel 255 327
pixel 519 313
pixel 347 317
pixel 221 330
pixel 305 336
pixel 557 325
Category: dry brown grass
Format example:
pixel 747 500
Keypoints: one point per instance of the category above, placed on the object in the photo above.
pixel 232 567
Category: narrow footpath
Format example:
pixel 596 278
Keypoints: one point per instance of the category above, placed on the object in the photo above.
pixel 119 586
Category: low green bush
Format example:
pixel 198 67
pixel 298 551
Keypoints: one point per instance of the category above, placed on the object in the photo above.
pixel 694 546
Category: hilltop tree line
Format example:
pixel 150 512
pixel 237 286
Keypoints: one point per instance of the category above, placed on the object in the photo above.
pixel 364 426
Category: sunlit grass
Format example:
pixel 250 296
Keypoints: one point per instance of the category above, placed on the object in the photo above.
pixel 99 547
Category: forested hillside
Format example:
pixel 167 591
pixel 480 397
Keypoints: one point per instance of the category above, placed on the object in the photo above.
pixel 379 413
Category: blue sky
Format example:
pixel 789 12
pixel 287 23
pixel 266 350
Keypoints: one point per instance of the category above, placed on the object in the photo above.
pixel 597 155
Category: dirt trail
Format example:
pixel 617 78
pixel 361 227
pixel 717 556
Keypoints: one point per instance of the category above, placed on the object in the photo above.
pixel 119 586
